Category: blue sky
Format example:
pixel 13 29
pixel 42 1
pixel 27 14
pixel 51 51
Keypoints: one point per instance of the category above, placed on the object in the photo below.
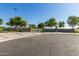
pixel 35 13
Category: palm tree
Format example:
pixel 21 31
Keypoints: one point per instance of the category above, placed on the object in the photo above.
pixel 61 23
pixel 73 21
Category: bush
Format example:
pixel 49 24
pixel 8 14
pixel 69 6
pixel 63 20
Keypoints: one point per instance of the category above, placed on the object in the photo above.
pixel 1 28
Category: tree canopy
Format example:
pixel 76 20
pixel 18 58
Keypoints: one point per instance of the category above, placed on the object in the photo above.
pixel 1 21
pixel 73 21
pixel 41 25
pixel 61 23
pixel 17 22
pixel 51 22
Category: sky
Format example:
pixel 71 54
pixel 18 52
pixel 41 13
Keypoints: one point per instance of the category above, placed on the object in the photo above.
pixel 35 13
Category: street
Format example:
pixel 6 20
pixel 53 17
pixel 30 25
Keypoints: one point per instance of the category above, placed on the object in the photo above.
pixel 42 45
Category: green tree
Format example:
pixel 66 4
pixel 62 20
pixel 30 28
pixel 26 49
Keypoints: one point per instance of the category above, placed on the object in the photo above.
pixel 41 25
pixel 32 27
pixel 73 21
pixel 61 23
pixel 51 22
pixel 23 23
pixel 1 21
pixel 17 22
pixel 9 24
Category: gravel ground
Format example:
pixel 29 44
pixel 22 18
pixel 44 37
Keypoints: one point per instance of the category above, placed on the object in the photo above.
pixel 42 45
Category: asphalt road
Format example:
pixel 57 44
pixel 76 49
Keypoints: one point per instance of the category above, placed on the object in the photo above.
pixel 42 45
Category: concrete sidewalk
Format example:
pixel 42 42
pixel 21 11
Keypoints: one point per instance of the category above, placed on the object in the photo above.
pixel 16 35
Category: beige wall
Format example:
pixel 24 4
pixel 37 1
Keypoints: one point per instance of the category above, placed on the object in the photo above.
pixel 76 30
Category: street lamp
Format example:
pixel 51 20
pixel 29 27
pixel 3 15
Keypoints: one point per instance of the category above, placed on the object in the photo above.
pixel 15 9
